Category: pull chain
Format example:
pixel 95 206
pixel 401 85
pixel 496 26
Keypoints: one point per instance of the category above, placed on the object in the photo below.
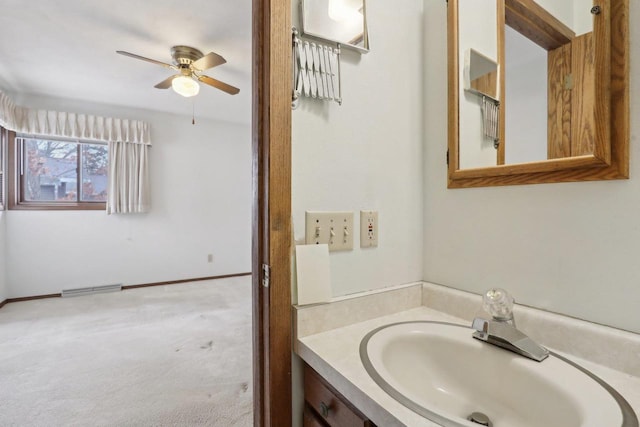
pixel 193 111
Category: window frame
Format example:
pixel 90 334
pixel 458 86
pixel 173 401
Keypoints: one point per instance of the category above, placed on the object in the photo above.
pixel 16 200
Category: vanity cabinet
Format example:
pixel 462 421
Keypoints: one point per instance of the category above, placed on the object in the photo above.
pixel 325 407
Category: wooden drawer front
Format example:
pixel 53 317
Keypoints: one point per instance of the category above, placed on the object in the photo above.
pixel 311 418
pixel 334 409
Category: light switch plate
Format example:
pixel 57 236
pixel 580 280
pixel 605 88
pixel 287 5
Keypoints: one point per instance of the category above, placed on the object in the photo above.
pixel 332 228
pixel 368 229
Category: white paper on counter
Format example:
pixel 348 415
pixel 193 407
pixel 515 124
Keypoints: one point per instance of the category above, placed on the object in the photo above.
pixel 313 274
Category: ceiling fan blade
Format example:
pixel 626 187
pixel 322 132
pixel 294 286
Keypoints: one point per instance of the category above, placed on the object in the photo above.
pixel 153 61
pixel 166 83
pixel 219 85
pixel 210 60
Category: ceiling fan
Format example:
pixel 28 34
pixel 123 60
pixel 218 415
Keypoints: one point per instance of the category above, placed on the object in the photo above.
pixel 190 63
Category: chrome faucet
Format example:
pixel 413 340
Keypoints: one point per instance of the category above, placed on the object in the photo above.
pixel 501 329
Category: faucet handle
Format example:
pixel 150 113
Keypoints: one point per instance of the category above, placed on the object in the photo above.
pixel 480 325
pixel 498 303
pixel 482 328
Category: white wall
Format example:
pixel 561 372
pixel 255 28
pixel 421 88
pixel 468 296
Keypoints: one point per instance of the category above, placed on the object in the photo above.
pixel 366 154
pixel 201 204
pixel 562 10
pixel 582 17
pixel 570 248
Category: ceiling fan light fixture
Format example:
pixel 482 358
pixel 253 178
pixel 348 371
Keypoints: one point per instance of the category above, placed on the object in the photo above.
pixel 185 86
pixel 189 63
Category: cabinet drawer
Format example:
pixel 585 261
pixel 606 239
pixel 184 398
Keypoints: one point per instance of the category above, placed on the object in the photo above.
pixel 334 409
pixel 311 418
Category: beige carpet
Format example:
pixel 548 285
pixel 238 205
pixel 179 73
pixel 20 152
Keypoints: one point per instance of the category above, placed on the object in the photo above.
pixel 176 355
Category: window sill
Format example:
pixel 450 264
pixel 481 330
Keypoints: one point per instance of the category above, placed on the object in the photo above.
pixel 99 206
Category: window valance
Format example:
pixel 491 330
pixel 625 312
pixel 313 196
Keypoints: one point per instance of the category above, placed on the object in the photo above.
pixel 71 125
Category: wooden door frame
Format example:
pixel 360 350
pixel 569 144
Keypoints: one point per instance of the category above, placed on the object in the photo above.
pixel 271 234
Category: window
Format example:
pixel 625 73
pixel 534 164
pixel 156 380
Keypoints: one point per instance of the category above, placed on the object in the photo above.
pixel 56 174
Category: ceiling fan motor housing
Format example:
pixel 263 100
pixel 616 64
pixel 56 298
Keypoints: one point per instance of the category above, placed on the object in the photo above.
pixel 185 55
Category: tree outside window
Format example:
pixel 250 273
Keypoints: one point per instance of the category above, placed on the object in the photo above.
pixel 59 172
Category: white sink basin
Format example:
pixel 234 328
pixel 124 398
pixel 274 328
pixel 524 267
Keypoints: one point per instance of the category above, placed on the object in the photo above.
pixel 441 372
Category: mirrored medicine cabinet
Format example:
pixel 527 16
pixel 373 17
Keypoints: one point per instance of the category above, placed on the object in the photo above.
pixel 538 91
pixel 343 22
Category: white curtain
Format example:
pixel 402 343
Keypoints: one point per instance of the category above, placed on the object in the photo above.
pixel 82 126
pixel 128 189
pixel 8 112
pixel 70 125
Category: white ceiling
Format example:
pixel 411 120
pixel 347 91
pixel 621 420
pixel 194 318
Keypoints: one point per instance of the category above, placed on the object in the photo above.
pixel 66 48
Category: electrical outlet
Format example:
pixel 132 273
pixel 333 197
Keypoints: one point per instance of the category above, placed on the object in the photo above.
pixel 368 229
pixel 332 228
pixel 210 258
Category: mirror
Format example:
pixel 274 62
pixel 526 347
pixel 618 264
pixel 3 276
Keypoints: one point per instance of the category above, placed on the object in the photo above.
pixel 338 21
pixel 480 74
pixel 557 89
pixel 526 80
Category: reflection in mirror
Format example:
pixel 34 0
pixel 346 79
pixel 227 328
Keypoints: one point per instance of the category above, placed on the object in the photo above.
pixel 541 74
pixel 478 32
pixel 526 98
pixel 532 31
pixel 481 78
pixel 480 74
pixel 339 21
pixel 562 87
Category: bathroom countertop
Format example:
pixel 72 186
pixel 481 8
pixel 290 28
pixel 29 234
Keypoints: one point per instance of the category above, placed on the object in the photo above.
pixel 335 355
